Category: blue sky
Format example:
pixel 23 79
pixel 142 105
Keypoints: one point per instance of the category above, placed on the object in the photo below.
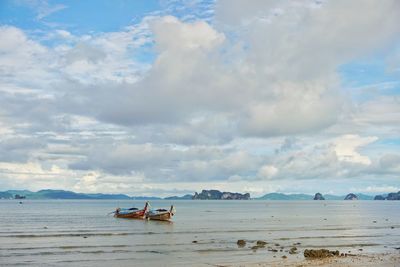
pixel 171 97
pixel 79 17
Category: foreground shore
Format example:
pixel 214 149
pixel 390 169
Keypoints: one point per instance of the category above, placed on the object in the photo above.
pixel 377 259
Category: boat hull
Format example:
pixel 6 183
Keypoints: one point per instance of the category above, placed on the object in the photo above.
pixel 166 216
pixel 137 214
pixel 133 215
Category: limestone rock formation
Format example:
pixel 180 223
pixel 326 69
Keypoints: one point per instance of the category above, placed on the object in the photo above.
pixel 351 196
pixel 319 196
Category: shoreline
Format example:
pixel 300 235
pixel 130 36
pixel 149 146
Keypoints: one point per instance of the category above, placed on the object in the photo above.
pixel 371 259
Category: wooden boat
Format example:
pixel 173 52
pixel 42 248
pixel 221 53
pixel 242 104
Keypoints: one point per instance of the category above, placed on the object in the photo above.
pixel 160 214
pixel 132 213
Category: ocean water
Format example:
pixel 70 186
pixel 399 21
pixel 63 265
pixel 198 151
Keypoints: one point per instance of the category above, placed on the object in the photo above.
pixel 80 233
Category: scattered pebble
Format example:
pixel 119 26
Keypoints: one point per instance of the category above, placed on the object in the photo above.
pixel 241 243
pixel 261 243
pixel 293 250
pixel 194 241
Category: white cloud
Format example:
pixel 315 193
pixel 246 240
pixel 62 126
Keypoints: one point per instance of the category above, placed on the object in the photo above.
pixel 211 109
pixel 267 171
pixel 381 189
pixel 346 148
pixel 42 7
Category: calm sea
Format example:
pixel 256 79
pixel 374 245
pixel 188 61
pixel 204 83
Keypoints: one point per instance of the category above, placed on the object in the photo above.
pixel 79 232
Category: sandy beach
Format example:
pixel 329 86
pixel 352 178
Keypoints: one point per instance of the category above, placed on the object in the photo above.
pixel 378 259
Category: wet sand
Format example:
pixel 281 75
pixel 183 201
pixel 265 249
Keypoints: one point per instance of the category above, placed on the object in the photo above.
pixel 377 259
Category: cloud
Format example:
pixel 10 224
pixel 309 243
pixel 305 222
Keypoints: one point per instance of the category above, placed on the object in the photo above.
pixel 42 7
pixel 346 148
pixel 252 94
pixel 17 149
pixel 267 171
pixel 390 163
pixel 381 189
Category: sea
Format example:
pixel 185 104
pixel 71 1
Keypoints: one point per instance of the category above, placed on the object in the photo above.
pixel 202 233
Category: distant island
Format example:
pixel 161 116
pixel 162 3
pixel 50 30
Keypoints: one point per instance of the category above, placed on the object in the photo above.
pixel 62 194
pixel 390 196
pixel 215 194
pixel 203 195
pixel 317 196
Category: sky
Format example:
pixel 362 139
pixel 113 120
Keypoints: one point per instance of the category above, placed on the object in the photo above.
pixel 166 98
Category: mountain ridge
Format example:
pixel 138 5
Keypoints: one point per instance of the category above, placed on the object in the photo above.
pixel 65 194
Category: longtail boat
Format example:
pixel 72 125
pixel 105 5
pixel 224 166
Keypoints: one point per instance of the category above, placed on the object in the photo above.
pixel 161 214
pixel 132 213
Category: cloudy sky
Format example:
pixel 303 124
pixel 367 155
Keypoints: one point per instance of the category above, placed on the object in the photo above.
pixel 171 97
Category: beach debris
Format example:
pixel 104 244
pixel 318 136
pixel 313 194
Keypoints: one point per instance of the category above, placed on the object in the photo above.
pixel 272 250
pixel 85 237
pixel 391 227
pixel 293 250
pixel 397 248
pixel 374 221
pixel 320 253
pixel 194 241
pixel 261 243
pixel 277 245
pixel 241 243
pixel 284 257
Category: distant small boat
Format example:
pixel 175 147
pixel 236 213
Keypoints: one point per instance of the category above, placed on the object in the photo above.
pixel 132 213
pixel 161 214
